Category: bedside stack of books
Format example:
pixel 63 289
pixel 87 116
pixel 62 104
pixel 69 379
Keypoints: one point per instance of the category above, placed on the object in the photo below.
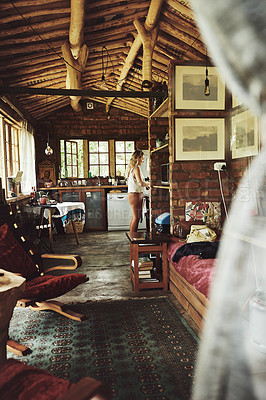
pixel 146 273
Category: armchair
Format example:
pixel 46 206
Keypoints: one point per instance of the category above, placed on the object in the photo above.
pixel 25 382
pixel 18 255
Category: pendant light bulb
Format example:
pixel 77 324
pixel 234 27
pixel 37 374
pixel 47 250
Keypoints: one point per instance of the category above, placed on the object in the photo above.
pixel 48 151
pixel 207 82
pixel 207 86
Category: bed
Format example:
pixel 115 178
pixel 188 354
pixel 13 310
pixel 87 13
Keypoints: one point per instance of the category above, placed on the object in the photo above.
pixel 192 271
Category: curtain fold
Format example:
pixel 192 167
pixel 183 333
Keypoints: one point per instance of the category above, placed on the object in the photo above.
pixel 27 160
pixel 231 363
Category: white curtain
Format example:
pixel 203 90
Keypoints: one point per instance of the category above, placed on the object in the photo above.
pixel 232 358
pixel 27 160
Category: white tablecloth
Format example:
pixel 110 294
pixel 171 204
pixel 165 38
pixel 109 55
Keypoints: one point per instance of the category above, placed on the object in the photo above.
pixel 67 206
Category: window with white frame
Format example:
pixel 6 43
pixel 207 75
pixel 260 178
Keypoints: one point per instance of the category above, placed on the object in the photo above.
pixel 10 165
pixel 123 152
pixel 72 158
pixel 99 158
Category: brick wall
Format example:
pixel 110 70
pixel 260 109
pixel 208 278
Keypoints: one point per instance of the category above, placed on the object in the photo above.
pixel 160 198
pixel 196 181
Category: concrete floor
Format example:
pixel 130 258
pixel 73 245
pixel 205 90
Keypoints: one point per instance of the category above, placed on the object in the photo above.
pixel 105 260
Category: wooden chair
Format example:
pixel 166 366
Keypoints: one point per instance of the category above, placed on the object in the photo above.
pixel 18 380
pixel 18 255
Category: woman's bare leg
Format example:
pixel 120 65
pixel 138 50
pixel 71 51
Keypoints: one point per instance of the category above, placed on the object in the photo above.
pixel 135 202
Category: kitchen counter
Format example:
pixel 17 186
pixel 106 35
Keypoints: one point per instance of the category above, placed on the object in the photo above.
pixel 116 187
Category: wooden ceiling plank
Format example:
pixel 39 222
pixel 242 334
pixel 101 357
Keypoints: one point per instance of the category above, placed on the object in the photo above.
pixel 181 35
pixel 184 11
pixel 115 24
pixel 35 12
pixel 26 3
pixel 33 37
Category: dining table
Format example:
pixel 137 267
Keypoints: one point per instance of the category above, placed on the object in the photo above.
pixel 67 211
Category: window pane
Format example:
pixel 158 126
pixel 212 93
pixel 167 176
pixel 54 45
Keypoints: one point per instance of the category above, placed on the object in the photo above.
pixel 94 159
pixel 122 169
pixel 130 147
pixel 73 147
pixel 68 147
pixel 120 146
pixel 128 157
pixel 69 172
pixel 75 171
pixel 69 159
pixel 120 159
pixel 103 147
pixel 93 147
pixel 104 170
pixel 94 170
pixel 103 158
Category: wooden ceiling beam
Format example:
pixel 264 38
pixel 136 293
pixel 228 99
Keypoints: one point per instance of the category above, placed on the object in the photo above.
pixel 75 51
pixel 78 92
pixel 151 20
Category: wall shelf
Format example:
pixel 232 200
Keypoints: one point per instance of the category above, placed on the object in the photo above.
pixel 161 111
pixel 161 187
pixel 160 148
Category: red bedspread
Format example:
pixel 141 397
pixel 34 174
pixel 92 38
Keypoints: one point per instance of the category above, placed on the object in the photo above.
pixel 198 272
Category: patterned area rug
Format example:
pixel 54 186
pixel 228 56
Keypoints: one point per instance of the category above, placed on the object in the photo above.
pixel 142 348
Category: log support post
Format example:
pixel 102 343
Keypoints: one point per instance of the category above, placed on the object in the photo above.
pixel 148 40
pixel 75 52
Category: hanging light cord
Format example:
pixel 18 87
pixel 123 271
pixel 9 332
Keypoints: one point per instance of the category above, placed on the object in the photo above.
pixel 222 194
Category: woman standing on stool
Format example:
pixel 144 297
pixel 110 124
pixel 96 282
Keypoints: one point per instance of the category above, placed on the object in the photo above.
pixel 136 185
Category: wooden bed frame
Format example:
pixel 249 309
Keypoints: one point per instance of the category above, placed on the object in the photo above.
pixel 194 302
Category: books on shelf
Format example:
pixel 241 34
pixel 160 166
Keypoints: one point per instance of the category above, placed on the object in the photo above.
pixel 145 270
pixel 144 274
pixel 152 278
pixel 145 261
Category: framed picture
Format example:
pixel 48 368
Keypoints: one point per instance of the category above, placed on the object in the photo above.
pixel 244 135
pixel 46 176
pixel 199 139
pixel 190 85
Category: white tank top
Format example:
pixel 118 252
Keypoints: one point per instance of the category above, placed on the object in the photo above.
pixel 133 185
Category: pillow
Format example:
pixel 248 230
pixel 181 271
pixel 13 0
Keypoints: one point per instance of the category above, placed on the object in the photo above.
pixel 47 287
pixel 206 211
pixel 13 257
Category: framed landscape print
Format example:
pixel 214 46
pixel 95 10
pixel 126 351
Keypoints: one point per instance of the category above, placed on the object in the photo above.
pixel 189 88
pixel 199 139
pixel 244 135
